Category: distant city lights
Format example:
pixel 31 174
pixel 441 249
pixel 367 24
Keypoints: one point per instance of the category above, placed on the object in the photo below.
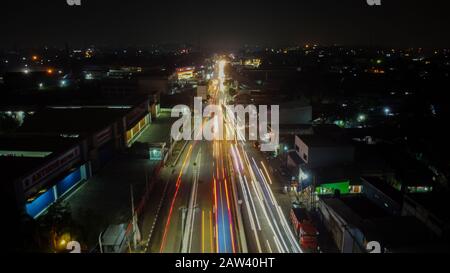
pixel 361 117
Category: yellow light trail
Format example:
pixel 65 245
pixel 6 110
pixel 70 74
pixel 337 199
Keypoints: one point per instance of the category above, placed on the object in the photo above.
pixel 211 232
pixel 203 231
pixel 216 231
pixel 267 173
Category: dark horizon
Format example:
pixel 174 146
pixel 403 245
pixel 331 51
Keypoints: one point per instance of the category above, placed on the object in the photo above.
pixel 220 24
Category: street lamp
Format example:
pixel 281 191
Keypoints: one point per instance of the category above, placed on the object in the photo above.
pixel 361 118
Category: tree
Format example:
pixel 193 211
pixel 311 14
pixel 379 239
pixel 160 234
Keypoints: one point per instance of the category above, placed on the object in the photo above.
pixel 56 222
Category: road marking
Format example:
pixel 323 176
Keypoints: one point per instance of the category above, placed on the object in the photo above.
pixel 203 231
pixel 268 246
pixel 211 232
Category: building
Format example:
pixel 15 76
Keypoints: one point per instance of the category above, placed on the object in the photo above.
pixel 354 221
pixel 39 170
pixel 106 129
pixel 318 150
pixel 58 147
pixel 185 73
pixel 322 162
pixel 431 209
pixel 295 112
pixel 382 194
pixel 287 134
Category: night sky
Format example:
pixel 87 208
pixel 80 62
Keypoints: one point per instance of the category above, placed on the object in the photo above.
pixel 225 23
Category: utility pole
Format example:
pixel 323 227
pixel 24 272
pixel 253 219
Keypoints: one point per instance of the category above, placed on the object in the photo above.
pixel 100 244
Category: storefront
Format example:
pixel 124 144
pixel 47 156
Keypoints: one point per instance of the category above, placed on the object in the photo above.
pixel 53 180
pixel 39 203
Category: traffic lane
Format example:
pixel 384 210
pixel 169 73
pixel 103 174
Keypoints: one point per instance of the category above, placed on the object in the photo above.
pixel 227 219
pixel 203 234
pixel 231 198
pixel 179 205
pixel 268 185
pixel 170 174
pixel 269 236
pixel 257 226
pixel 208 222
pixel 279 181
pixel 213 217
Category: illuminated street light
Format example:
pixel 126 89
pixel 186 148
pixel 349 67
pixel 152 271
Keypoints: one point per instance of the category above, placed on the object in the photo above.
pixel 387 111
pixel 361 118
pixel 303 176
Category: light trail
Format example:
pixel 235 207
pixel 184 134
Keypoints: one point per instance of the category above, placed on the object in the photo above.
pixel 260 189
pixel 267 173
pixel 216 216
pixel 178 183
pixel 203 231
pixel 268 246
pixel 211 232
pixel 222 218
pixel 272 219
pixel 252 222
pixel 252 203
pixel 229 217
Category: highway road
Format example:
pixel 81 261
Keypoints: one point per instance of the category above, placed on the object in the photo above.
pixel 217 198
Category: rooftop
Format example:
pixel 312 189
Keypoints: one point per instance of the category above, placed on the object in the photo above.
pixel 354 209
pixel 71 121
pixel 14 167
pixel 34 143
pixel 436 202
pixel 81 98
pixel 397 233
pixel 294 156
pixel 323 141
pixel 335 173
pixel 384 187
pixel 20 154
